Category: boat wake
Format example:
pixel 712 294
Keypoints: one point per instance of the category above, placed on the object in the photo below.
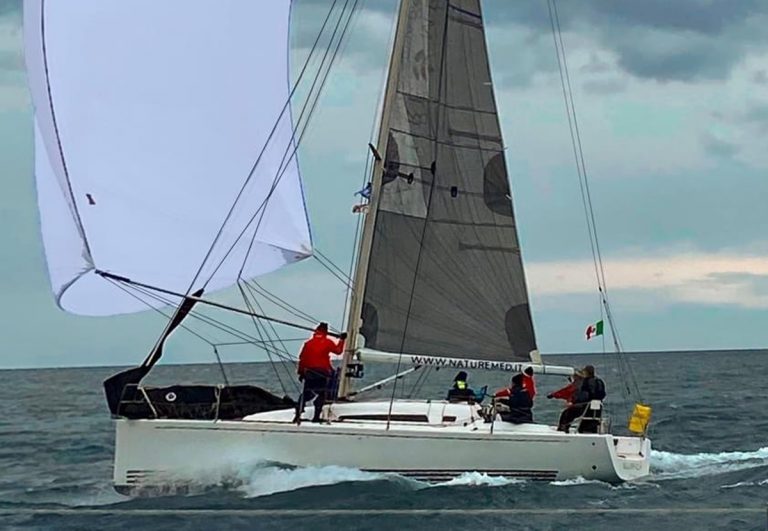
pixel 670 465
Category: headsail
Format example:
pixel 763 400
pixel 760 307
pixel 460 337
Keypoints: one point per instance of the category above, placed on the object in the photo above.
pixel 149 117
pixel 445 276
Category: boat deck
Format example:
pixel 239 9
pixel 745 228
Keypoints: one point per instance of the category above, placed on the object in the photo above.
pixel 406 415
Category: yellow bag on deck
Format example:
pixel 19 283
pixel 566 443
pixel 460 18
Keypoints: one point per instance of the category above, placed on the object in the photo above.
pixel 641 417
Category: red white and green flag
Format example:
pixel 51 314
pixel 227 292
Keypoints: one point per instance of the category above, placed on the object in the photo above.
pixel 594 330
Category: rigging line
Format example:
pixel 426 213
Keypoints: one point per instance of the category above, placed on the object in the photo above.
pixel 420 381
pixel 588 206
pixel 258 331
pixel 580 160
pixel 340 270
pixel 367 176
pixel 210 321
pixel 188 329
pixel 356 242
pixel 440 89
pixel 205 301
pixel 268 324
pixel 255 300
pixel 286 106
pixel 239 343
pixel 573 140
pixel 599 268
pixel 294 127
pixel 284 164
pixel 332 268
pixel 218 359
pixel 255 291
pixel 266 328
pixel 158 310
pixel 282 171
pixel 219 325
pixel 347 282
pixel 281 303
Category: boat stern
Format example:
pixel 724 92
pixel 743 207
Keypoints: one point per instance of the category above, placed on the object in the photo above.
pixel 631 457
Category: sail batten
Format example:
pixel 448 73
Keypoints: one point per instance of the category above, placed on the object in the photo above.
pixel 147 125
pixel 445 273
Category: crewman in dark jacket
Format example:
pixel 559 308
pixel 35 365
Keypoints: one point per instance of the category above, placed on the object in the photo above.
pixel 315 369
pixel 591 388
pixel 460 391
pixel 518 401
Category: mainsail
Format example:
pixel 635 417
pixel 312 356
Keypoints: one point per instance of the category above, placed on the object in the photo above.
pixel 149 117
pixel 444 276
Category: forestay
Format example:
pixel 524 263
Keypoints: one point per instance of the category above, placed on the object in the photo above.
pixel 445 276
pixel 149 117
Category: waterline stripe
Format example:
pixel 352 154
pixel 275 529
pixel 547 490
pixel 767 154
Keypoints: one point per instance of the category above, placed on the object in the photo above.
pixel 377 512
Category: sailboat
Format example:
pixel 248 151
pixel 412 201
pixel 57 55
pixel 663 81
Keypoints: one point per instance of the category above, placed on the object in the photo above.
pixel 145 135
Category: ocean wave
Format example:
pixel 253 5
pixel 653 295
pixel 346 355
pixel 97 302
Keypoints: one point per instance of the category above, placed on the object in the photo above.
pixel 670 465
pixel 762 483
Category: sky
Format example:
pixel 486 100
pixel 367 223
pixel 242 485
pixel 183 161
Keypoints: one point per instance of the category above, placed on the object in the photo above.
pixel 672 102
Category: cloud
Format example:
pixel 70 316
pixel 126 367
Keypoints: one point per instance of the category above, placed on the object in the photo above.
pixel 718 146
pixel 11 57
pixel 699 278
pixel 605 86
pixel 10 8
pixel 685 40
pixel 366 44
pixel 13 91
pixel 760 77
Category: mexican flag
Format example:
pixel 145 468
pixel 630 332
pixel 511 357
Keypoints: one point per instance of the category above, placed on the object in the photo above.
pixel 595 330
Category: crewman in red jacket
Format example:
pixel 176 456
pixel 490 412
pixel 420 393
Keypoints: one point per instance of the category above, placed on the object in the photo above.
pixel 568 392
pixel 529 385
pixel 528 382
pixel 315 369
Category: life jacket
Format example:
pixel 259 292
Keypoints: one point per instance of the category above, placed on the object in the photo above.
pixel 529 384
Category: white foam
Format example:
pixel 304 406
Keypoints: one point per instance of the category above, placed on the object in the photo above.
pixel 578 480
pixel 479 479
pixel 670 465
pixel 266 480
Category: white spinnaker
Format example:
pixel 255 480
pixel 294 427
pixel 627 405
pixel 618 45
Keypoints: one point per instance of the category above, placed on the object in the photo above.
pixel 149 116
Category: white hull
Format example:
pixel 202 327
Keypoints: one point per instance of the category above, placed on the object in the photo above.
pixel 451 440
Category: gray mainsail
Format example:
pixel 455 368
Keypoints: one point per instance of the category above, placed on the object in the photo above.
pixel 444 276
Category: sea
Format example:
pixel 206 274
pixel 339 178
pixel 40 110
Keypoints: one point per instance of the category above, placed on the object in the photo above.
pixel 709 460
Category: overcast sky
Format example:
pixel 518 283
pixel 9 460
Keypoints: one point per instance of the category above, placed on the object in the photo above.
pixel 672 100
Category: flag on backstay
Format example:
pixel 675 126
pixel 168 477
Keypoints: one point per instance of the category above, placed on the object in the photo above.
pixel 594 330
pixel 365 193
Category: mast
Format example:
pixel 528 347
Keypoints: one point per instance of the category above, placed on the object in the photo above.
pixel 364 250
